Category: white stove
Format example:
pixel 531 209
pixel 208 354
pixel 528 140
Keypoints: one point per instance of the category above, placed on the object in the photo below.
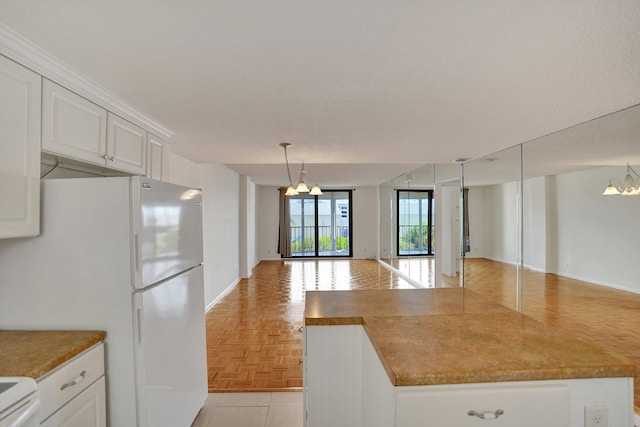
pixel 19 402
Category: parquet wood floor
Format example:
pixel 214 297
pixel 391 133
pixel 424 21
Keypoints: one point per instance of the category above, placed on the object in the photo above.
pixel 253 337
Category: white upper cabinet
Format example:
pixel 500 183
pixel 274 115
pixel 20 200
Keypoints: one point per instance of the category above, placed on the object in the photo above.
pixel 154 157
pixel 72 126
pixel 19 150
pixel 126 146
pixel 78 129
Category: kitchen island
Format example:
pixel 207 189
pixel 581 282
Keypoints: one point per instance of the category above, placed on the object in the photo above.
pixel 450 357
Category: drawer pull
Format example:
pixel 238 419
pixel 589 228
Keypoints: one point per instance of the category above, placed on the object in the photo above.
pixel 486 415
pixel 74 381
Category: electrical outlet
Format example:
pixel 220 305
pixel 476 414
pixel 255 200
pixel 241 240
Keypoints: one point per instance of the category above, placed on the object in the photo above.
pixel 596 416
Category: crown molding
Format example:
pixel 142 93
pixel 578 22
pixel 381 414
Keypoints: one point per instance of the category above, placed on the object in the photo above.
pixel 23 51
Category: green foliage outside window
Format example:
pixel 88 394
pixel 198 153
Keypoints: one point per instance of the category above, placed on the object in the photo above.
pixel 342 243
pixel 413 238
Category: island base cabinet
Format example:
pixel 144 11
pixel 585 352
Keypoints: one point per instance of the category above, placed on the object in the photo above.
pixel 333 377
pixel 346 384
pixel 530 406
pixel 85 410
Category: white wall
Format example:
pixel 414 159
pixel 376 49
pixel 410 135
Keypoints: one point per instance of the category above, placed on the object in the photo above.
pixel 221 212
pixel 385 250
pixel 178 170
pixel 535 223
pixel 267 211
pixel 597 236
pixel 365 222
pixel 247 227
pixel 478 226
pixel 501 225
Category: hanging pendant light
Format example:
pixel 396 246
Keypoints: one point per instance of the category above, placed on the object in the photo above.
pixel 631 185
pixel 302 186
pixel 315 191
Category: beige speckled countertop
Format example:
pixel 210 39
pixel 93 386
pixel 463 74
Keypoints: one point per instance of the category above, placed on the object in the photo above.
pixel 453 336
pixel 34 353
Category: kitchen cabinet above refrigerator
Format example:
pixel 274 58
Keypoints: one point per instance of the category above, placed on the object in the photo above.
pixel 76 128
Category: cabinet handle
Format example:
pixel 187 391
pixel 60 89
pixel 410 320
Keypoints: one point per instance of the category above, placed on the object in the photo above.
pixel 486 415
pixel 112 157
pixel 74 381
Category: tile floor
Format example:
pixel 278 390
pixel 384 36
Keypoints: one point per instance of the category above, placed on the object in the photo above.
pixel 278 409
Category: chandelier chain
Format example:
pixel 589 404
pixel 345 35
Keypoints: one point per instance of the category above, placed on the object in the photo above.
pixel 286 159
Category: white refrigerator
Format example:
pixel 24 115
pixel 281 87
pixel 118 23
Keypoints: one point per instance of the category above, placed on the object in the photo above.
pixel 123 255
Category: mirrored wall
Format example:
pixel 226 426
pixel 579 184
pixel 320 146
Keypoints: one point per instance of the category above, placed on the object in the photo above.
pixel 411 220
pixel 531 212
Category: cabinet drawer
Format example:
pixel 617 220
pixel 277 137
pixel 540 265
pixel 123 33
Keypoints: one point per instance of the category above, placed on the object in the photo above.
pixel 68 380
pixel 85 410
pixel 521 406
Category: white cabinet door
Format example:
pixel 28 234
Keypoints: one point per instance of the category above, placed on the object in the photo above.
pixel 19 150
pixel 78 129
pixel 126 146
pixel 85 410
pixel 154 157
pixel 73 127
pixel 333 375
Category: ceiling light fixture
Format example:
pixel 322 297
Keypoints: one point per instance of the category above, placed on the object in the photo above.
pixel 302 186
pixel 631 185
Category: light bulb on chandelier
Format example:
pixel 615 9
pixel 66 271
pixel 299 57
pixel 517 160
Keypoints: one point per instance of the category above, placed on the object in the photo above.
pixel 631 186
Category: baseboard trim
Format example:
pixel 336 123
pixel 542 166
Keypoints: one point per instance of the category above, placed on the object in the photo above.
pixel 222 294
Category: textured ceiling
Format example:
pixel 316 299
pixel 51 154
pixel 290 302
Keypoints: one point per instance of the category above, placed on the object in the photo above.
pixel 382 84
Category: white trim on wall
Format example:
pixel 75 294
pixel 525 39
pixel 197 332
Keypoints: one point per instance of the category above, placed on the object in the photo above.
pixel 222 294
pixel 16 47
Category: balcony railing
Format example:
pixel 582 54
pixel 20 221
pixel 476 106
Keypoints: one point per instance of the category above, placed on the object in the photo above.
pixel 330 243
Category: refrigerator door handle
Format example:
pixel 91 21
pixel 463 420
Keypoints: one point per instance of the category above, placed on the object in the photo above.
pixel 139 315
pixel 136 251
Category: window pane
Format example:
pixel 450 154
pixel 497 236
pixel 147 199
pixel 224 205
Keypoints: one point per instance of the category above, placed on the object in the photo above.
pixel 333 223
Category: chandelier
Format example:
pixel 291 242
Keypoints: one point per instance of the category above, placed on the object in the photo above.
pixel 302 186
pixel 631 185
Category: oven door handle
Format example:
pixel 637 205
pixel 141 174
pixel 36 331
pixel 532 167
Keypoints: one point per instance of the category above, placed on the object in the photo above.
pixel 22 414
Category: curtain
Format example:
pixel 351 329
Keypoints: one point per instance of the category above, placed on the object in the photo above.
pixel 284 234
pixel 465 220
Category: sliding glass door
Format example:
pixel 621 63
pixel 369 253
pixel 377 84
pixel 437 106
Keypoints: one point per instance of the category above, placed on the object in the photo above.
pixel 416 222
pixel 321 225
